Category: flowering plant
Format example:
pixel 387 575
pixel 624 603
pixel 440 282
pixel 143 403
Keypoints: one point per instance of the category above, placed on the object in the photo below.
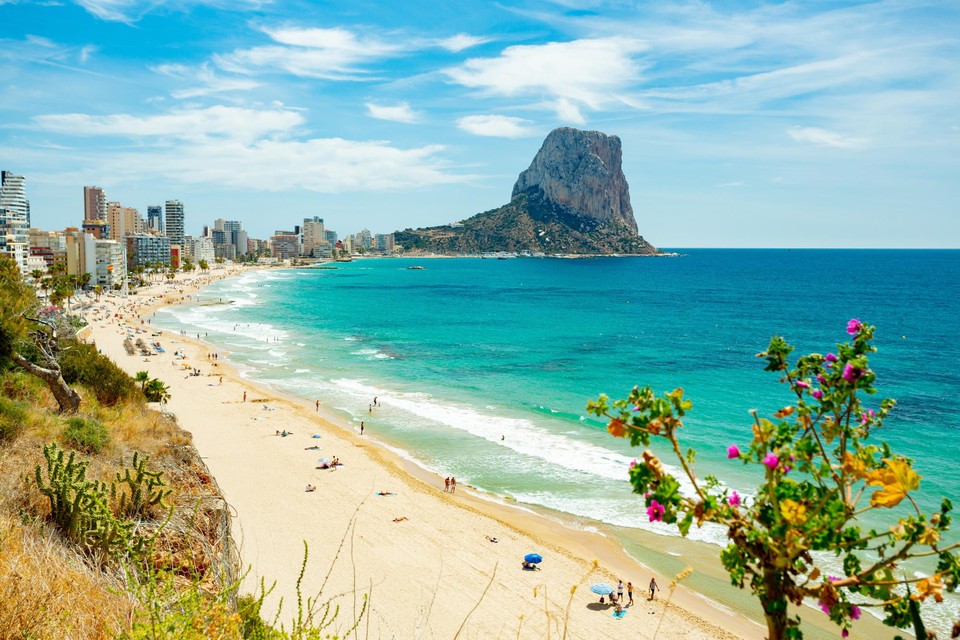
pixel 819 476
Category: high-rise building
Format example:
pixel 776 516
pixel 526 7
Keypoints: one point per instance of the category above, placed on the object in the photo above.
pixel 155 218
pixel 14 218
pixel 314 235
pixel 143 250
pixel 173 212
pixel 94 204
pixel 124 221
pixel 15 207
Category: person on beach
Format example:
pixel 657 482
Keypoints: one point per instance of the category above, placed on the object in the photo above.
pixel 361 427
pixel 318 406
pixel 654 587
pixel 244 396
pixel 619 590
pixel 375 401
pixel 630 593
pixel 310 488
pixel 453 484
pixel 221 380
pixel 446 484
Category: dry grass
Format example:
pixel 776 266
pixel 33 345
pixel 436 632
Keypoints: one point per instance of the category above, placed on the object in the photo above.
pixel 48 589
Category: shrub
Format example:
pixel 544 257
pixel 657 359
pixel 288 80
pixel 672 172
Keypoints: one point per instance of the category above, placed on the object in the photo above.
pixel 86 434
pixel 13 418
pixel 82 364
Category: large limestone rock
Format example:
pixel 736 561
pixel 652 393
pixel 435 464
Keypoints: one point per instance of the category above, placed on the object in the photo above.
pixel 581 170
pixel 573 200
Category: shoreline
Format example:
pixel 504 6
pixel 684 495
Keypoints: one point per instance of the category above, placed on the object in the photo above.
pixel 692 610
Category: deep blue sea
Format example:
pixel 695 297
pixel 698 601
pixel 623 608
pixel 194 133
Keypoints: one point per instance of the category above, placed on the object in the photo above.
pixel 483 367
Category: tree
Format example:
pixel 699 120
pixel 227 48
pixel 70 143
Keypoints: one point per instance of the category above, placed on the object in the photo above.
pixel 156 391
pixel 98 291
pixel 85 280
pixel 36 274
pixel 31 338
pixel 818 471
pixel 143 378
pixel 203 265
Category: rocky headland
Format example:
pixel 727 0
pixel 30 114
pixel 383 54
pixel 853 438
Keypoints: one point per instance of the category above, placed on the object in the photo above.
pixel 572 200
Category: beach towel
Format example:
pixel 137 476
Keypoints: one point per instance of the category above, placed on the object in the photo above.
pixel 619 615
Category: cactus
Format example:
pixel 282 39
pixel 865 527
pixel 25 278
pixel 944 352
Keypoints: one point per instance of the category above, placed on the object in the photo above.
pixel 79 508
pixel 146 488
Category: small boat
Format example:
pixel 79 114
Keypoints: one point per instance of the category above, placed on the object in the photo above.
pixel 415 267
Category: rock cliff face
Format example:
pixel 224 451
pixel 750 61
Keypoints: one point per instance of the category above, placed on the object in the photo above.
pixel 573 199
pixel 581 170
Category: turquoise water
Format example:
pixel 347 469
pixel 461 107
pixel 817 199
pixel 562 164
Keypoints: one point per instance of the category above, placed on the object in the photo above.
pixel 483 367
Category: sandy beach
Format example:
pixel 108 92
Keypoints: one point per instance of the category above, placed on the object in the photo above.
pixel 416 563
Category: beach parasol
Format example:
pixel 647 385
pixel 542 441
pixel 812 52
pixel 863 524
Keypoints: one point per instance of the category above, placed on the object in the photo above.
pixel 533 558
pixel 323 460
pixel 601 588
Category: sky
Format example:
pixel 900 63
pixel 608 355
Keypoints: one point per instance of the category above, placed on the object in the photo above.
pixel 744 124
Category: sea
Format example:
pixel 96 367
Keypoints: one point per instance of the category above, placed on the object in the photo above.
pixel 482 368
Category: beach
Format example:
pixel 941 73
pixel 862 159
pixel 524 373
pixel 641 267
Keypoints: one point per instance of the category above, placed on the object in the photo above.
pixel 417 562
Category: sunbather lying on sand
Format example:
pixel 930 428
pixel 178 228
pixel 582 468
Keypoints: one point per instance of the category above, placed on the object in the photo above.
pixel 401 519
pixel 492 539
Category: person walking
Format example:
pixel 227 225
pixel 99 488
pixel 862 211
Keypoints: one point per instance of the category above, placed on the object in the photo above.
pixel 318 406
pixel 619 590
pixel 453 484
pixel 654 587
pixel 244 396
pixel 361 427
pixel 446 484
pixel 630 593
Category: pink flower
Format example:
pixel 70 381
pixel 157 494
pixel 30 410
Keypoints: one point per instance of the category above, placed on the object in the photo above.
pixel 824 607
pixel 655 511
pixel 633 464
pixel 771 460
pixel 830 357
pixel 801 384
pixel 821 379
pixel 733 451
pixel 818 394
pixel 854 326
pixel 867 416
pixel 844 633
pixel 636 407
pixel 851 373
pixel 734 499
pixel 855 612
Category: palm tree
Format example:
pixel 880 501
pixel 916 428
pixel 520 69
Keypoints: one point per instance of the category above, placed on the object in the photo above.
pixel 143 378
pixel 156 391
pixel 36 274
pixel 85 280
pixel 203 265
pixel 97 290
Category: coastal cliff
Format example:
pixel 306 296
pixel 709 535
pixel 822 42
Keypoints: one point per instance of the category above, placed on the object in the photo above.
pixel 573 199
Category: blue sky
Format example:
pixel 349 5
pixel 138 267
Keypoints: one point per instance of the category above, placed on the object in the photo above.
pixel 798 124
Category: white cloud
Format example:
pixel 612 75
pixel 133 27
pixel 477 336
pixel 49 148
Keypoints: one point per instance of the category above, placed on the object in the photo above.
pixel 130 11
pixel 582 73
pixel 86 52
pixel 461 41
pixel 396 113
pixel 495 126
pixel 187 124
pixel 247 149
pixel 210 82
pixel 825 138
pixel 334 54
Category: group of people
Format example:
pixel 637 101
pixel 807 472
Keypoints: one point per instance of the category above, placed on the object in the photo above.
pixel 333 464
pixel 617 596
pixel 450 484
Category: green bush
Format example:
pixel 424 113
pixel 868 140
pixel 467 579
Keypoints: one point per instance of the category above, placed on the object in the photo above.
pixel 82 364
pixel 13 418
pixel 86 434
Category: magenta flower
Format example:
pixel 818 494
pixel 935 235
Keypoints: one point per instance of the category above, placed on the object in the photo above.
pixel 851 373
pixel 802 384
pixel 734 499
pixel 844 633
pixel 854 326
pixel 867 416
pixel 830 357
pixel 733 451
pixel 855 612
pixel 633 464
pixel 655 511
pixel 771 460
pixel 818 394
pixel 821 379
pixel 824 607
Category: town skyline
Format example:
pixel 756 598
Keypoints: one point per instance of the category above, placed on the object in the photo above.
pixel 743 124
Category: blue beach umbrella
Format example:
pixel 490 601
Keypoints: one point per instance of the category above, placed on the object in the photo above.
pixel 533 558
pixel 601 588
pixel 323 459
